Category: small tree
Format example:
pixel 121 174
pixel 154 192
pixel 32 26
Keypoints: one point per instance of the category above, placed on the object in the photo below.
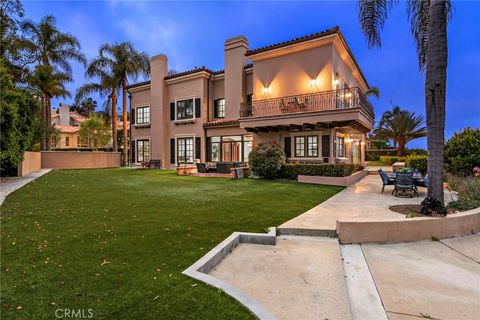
pixel 96 131
pixel 266 159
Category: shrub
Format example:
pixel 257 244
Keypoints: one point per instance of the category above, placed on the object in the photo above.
pixel 417 162
pixel 462 152
pixel 374 155
pixel 293 170
pixel 389 160
pixel 266 159
pixel 416 152
pixel 468 192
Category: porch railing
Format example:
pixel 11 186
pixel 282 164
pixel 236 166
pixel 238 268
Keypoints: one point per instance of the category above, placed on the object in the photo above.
pixel 310 102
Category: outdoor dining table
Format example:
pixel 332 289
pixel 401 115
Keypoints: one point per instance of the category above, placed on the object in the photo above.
pixel 416 176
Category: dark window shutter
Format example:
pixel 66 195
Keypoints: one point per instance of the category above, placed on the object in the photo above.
pixel 288 147
pixel 215 109
pixel 172 151
pixel 133 152
pixel 326 146
pixel 198 148
pixel 198 108
pixel 132 116
pixel 209 149
pixel 172 111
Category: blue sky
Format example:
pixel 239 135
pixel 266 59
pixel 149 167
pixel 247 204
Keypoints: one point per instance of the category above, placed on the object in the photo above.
pixel 193 33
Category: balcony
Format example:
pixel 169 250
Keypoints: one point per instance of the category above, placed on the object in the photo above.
pixel 345 107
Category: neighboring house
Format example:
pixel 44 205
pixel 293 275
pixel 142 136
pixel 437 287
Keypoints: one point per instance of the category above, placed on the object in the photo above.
pixel 306 94
pixel 68 124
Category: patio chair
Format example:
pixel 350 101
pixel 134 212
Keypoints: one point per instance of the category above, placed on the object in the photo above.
pixel 422 183
pixel 385 179
pixel 201 167
pixel 302 106
pixel 283 106
pixel 224 167
pixel 405 183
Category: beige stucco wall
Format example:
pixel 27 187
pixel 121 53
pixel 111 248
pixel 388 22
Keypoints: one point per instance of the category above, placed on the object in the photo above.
pixel 32 161
pixel 416 229
pixel 63 140
pixel 290 74
pixel 341 68
pixel 76 159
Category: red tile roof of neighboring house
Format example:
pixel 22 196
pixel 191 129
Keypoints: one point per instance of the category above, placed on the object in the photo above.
pixel 221 122
pixel 67 129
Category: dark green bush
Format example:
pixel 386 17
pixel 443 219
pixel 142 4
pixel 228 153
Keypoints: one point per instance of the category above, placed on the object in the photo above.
pixel 266 159
pixel 389 160
pixel 374 155
pixel 293 170
pixel 462 152
pixel 417 162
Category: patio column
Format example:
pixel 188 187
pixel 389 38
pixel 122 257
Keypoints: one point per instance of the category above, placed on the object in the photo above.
pixel 332 146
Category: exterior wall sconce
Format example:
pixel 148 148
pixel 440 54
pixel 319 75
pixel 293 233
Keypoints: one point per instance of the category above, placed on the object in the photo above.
pixel 335 82
pixel 266 91
pixel 313 83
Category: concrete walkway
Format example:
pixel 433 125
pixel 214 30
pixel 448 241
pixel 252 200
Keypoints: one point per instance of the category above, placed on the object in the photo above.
pixel 359 202
pixel 428 278
pixel 299 278
pixel 9 185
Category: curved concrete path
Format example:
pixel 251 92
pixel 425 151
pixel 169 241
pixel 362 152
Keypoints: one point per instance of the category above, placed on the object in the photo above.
pixel 10 184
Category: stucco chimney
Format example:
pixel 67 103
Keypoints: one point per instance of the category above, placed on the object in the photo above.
pixel 235 87
pixel 158 102
pixel 64 112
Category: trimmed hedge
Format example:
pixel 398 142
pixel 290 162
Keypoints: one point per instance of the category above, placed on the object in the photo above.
pixel 374 155
pixel 293 170
pixel 389 160
pixel 417 162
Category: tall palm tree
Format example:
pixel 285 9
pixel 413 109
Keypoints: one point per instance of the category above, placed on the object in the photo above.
pixel 373 92
pixel 47 46
pixel 128 63
pixel 428 24
pixel 402 127
pixel 107 86
pixel 50 84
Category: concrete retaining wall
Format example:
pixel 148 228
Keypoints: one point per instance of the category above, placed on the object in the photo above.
pixel 414 229
pixel 80 160
pixel 334 181
pixel 32 161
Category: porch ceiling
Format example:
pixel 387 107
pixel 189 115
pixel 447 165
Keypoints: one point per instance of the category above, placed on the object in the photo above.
pixel 353 125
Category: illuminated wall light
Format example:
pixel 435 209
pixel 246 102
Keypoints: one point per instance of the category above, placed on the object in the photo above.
pixel 313 83
pixel 335 82
pixel 266 91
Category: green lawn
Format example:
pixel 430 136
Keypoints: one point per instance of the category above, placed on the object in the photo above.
pixel 146 226
pixel 376 163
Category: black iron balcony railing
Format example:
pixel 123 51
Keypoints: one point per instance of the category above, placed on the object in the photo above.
pixel 310 102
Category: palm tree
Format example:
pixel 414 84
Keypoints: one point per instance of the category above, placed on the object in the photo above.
pixel 50 84
pixel 49 47
pixel 402 127
pixel 373 91
pixel 428 24
pixel 107 86
pixel 128 63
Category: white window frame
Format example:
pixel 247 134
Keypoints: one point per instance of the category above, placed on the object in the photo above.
pixel 149 115
pixel 185 136
pixel 149 148
pixel 224 107
pixel 193 106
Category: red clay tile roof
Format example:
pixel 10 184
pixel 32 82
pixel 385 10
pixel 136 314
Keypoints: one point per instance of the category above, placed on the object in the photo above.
pixel 221 122
pixel 294 41
pixel 67 129
pixel 139 84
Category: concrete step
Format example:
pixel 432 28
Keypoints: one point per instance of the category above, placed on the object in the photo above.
pixel 298 278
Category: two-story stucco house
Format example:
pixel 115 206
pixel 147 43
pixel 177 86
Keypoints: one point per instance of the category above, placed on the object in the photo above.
pixel 307 94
